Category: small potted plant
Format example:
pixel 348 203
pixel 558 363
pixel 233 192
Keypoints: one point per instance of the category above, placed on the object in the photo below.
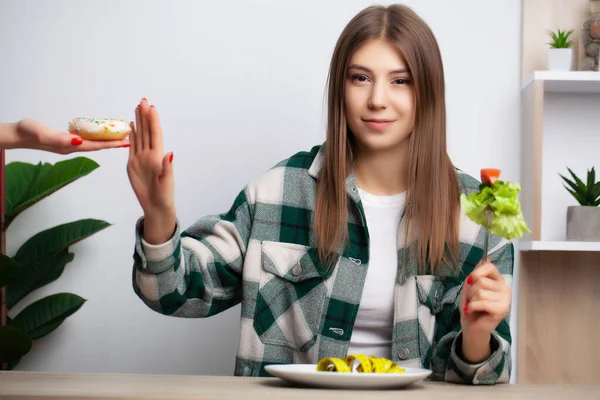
pixel 560 54
pixel 583 221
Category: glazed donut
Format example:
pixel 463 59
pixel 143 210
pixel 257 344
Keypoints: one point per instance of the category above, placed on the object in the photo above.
pixel 99 129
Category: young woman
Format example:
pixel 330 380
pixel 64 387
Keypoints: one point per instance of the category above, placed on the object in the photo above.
pixel 33 134
pixel 356 246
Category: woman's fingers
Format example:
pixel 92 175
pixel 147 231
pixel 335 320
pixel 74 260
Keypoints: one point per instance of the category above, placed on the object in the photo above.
pixel 94 145
pixel 144 110
pixel 67 143
pixel 486 295
pixel 138 130
pixel 132 141
pixel 484 283
pixel 156 136
pixel 147 132
pixel 487 270
pixel 495 309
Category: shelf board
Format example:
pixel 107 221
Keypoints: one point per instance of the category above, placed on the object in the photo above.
pixel 567 81
pixel 545 245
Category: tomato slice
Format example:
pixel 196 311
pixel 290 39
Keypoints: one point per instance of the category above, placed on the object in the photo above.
pixel 490 175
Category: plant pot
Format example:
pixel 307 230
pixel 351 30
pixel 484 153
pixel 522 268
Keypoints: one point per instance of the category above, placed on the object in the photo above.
pixel 583 224
pixel 560 59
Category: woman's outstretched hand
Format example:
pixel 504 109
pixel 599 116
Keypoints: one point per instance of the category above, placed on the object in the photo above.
pixel 150 172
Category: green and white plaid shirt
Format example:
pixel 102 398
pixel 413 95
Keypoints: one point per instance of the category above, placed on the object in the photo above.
pixel 263 253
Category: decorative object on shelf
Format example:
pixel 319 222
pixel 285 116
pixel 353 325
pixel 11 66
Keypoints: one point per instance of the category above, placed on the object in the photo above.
pixel 589 49
pixel 560 54
pixel 583 221
pixel 41 259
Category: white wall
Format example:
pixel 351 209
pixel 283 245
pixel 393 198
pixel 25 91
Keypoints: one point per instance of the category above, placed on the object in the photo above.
pixel 239 85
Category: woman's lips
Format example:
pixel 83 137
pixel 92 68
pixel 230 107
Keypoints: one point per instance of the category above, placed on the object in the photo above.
pixel 378 124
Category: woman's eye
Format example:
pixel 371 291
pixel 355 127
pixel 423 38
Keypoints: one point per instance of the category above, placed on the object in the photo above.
pixel 401 81
pixel 359 78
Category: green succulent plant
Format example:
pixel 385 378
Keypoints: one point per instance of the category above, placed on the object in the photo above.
pixel 586 194
pixel 560 39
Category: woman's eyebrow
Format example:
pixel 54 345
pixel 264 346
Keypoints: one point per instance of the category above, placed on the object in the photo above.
pixel 363 68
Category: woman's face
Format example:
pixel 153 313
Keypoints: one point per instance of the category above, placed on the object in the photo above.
pixel 379 96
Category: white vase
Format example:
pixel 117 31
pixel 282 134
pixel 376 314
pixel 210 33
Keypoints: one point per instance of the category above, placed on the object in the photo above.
pixel 560 59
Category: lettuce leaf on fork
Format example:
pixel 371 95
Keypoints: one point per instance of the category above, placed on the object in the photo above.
pixel 501 198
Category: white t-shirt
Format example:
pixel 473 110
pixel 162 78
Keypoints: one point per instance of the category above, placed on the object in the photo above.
pixel 372 334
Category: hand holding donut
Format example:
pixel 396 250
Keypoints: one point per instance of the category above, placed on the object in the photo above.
pixel 150 172
pixel 33 134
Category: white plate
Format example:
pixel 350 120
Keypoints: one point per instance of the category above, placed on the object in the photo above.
pixel 307 374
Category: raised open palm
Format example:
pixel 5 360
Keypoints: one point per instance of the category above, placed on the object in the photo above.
pixel 150 171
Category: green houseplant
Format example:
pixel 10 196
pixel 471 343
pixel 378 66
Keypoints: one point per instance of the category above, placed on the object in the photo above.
pixel 42 258
pixel 560 54
pixel 583 220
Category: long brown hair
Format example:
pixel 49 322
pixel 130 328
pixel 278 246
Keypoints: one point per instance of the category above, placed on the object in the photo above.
pixel 432 202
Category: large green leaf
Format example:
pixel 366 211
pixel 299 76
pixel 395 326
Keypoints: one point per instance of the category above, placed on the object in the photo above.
pixel 9 270
pixel 57 238
pixel 45 315
pixel 26 184
pixel 38 274
pixel 14 342
pixel 44 256
pixel 19 176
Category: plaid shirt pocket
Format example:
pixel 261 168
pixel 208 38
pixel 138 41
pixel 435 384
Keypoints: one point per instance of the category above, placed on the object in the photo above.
pixel 291 296
pixel 436 293
pixel 437 303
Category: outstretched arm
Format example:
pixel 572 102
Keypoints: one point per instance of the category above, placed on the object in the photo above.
pixel 33 134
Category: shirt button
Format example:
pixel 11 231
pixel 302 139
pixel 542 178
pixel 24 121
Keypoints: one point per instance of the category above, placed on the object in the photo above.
pixel 403 354
pixel 297 269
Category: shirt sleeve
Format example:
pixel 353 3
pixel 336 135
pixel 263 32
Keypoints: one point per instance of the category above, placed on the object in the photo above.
pixel 196 273
pixel 497 368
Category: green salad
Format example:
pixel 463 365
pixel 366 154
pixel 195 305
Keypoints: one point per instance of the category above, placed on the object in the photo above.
pixel 501 198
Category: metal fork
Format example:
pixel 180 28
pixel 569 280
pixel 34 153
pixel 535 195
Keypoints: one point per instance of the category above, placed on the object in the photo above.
pixel 489 214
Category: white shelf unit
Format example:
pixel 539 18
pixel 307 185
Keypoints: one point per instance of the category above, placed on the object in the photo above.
pixel 557 279
pixel 560 129
pixel 559 246
pixel 566 81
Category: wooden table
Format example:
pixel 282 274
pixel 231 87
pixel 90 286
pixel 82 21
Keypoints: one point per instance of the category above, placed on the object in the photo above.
pixel 48 385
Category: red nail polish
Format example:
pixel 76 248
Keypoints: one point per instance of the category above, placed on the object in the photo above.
pixel 144 99
pixel 125 145
pixel 470 280
pixel 171 158
pixel 76 141
pixel 466 309
pixel 152 106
